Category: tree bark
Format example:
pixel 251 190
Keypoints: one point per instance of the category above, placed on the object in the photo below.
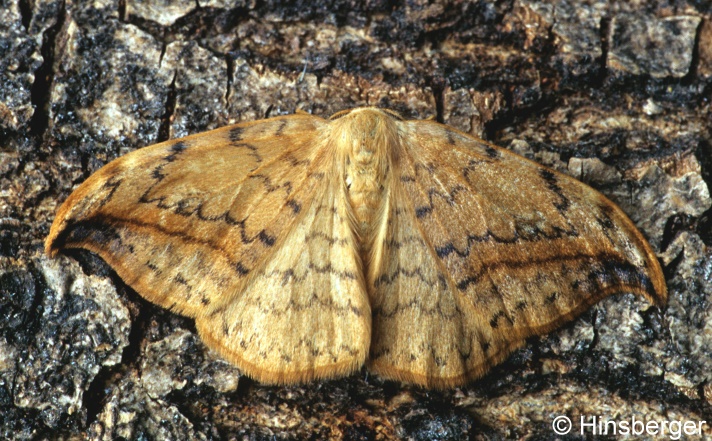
pixel 610 92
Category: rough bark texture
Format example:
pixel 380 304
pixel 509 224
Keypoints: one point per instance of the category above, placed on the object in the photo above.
pixel 615 93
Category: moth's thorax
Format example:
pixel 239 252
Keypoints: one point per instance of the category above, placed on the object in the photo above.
pixel 366 140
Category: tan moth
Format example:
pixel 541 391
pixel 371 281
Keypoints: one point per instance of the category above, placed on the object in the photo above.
pixel 306 247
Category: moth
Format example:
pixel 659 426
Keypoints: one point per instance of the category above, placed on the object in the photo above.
pixel 306 247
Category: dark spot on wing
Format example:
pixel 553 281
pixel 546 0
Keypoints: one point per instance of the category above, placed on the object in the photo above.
pixel 235 134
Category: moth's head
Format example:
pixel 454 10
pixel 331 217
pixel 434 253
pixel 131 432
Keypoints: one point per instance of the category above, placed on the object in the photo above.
pixel 366 129
pixel 365 111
